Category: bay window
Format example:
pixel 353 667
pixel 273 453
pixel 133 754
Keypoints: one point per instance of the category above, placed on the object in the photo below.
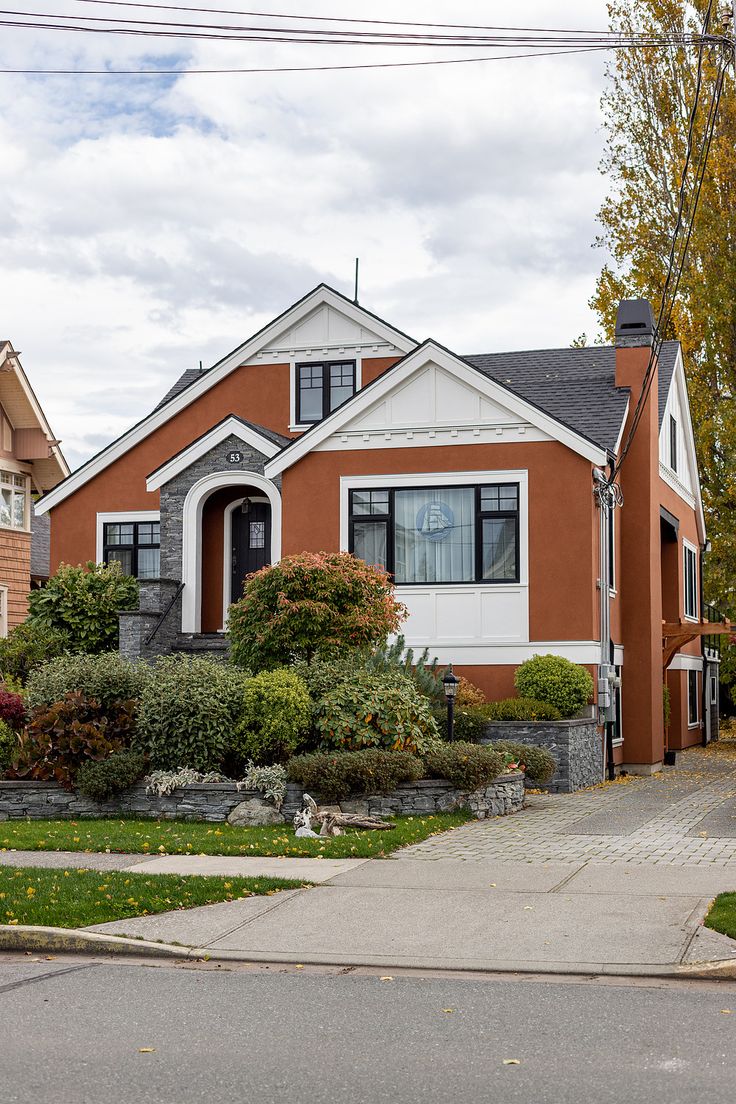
pixel 439 534
pixel 13 500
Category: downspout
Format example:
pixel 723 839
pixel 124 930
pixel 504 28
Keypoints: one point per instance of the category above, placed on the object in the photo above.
pixel 704 680
pixel 605 496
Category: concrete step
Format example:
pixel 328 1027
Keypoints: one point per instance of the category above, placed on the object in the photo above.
pixel 202 644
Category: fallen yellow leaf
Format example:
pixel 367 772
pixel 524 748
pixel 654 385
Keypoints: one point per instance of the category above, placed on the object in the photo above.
pixel 727 1011
pixel 511 1062
pixel 386 978
pixel 146 1050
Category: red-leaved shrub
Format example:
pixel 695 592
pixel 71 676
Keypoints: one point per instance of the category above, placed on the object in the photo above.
pixel 12 709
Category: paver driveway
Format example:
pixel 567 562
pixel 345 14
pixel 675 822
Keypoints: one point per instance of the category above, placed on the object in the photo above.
pixel 684 816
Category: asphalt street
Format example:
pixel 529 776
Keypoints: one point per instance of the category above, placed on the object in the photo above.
pixel 90 1032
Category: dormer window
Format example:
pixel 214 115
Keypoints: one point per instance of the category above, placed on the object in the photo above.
pixel 321 388
pixel 673 444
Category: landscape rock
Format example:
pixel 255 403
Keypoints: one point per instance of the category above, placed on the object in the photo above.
pixel 256 813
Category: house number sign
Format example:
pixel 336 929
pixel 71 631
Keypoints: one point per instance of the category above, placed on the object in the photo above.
pixel 234 457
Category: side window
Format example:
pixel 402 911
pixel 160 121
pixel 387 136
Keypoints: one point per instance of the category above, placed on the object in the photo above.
pixel 135 545
pixel 321 388
pixel 693 712
pixel 673 444
pixel 690 581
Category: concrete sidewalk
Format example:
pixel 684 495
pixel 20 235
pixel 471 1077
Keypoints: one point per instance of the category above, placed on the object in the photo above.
pixel 612 880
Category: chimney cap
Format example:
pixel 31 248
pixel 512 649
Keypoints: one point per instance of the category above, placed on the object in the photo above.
pixel 634 322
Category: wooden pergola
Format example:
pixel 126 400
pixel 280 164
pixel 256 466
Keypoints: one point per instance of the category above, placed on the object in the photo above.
pixel 675 634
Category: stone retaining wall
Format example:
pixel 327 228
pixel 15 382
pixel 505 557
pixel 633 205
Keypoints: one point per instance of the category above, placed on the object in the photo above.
pixel 215 801
pixel 577 747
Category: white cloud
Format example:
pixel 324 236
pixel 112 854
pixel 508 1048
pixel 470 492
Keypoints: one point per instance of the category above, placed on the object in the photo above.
pixel 149 223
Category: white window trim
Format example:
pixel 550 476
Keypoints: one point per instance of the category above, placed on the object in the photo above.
pixel 227 568
pixel 696 722
pixel 119 517
pixel 319 357
pixel 15 469
pixel 687 546
pixel 418 480
pixel 712 690
pixel 3 611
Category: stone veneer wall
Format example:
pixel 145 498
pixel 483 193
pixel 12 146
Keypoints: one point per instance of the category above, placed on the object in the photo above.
pixel 214 801
pixel 577 747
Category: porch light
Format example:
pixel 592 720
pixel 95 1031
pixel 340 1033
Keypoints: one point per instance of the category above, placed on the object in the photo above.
pixel 450 683
pixel 245 507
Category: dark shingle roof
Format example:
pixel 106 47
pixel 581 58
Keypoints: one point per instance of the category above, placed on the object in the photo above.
pixel 575 386
pixel 184 380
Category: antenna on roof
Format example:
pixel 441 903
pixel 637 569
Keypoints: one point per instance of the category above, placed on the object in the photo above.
pixel 200 366
pixel 357 266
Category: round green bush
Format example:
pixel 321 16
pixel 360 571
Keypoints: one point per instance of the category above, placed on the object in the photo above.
pixel 467 766
pixel 120 771
pixel 372 710
pixel 521 709
pixel 28 646
pixel 557 681
pixel 275 715
pixel 189 710
pixel 8 746
pixel 106 677
pixel 83 603
pixel 333 775
pixel 469 724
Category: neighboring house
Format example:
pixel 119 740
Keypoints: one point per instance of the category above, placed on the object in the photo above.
pixel 471 479
pixel 30 464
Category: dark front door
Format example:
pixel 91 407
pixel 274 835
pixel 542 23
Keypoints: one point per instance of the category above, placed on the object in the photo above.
pixel 251 543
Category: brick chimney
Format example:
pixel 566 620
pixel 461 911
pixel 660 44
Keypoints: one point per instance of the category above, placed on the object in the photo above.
pixel 640 592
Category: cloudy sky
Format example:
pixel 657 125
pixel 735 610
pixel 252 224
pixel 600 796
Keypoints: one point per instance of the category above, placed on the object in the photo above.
pixel 149 223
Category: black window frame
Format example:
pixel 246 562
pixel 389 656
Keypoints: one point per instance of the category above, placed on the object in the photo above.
pixel 673 443
pixel 693 698
pixel 133 547
pixel 325 365
pixel 690 581
pixel 387 519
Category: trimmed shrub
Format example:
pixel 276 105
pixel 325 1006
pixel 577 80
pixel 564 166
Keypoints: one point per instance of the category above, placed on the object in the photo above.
pixel 100 781
pixel 276 712
pixel 12 709
pixel 371 710
pixel 557 681
pixel 469 722
pixel 9 745
pixel 336 775
pixel 316 601
pixel 521 709
pixel 538 763
pixel 107 677
pixel 61 737
pixel 467 766
pixel 189 709
pixel 468 693
pixel 83 603
pixel 28 646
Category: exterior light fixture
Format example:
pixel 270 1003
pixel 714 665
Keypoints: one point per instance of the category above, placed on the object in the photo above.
pixel 450 683
pixel 245 508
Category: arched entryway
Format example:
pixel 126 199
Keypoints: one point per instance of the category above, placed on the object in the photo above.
pixel 231 525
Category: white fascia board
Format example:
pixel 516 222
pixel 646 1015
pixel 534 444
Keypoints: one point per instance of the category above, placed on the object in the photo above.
pixel 620 438
pixel 231 427
pixel 9 355
pixel 435 354
pixel 679 375
pixel 261 340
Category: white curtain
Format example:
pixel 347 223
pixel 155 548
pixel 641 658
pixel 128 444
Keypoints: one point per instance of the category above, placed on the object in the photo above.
pixel 434 535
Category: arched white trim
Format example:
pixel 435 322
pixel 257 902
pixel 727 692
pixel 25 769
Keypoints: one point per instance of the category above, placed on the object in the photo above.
pixel 227 545
pixel 191 605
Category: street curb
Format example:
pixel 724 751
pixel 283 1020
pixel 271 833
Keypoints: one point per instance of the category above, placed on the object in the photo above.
pixel 75 941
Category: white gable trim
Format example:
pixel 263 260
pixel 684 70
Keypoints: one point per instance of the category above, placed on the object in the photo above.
pixel 243 354
pixel 231 427
pixel 429 352
pixel 694 498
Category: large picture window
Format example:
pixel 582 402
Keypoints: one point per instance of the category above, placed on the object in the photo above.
pixel 135 545
pixel 321 388
pixel 13 500
pixel 691 581
pixel 439 534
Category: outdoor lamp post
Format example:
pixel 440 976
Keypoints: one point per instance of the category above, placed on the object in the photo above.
pixel 450 683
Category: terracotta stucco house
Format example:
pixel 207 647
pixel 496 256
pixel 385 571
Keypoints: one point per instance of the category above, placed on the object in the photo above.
pixel 30 464
pixel 472 479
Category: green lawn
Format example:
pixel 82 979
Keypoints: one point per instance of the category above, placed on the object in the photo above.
pixel 78 898
pixel 178 837
pixel 722 915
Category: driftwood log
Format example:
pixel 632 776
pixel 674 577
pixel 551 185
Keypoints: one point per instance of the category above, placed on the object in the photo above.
pixel 332 821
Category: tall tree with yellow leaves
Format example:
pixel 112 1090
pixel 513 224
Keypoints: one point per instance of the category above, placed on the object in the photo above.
pixel 647 108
